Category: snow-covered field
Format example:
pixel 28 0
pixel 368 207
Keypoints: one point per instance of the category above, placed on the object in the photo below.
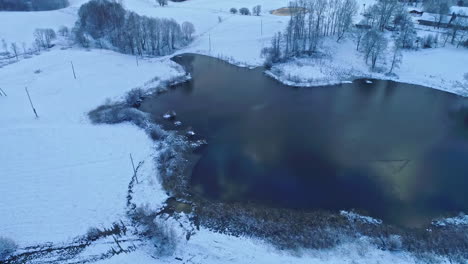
pixel 60 175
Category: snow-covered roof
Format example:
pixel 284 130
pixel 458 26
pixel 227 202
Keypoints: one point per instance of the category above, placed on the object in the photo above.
pixel 435 17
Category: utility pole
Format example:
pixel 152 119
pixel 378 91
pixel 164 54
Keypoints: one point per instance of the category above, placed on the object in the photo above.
pixel 32 106
pixel 1 91
pixel 73 69
pixel 136 57
pixel 134 169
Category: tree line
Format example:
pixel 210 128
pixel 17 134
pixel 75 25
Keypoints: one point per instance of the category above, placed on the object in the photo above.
pixel 32 5
pixel 106 24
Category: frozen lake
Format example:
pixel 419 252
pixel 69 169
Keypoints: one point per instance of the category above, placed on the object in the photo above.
pixel 395 151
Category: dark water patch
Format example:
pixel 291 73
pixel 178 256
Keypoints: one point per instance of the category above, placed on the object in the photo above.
pixel 393 150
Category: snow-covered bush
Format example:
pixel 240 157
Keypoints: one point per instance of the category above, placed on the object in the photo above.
pixel 155 132
pixel 187 30
pixel 93 233
pixel 233 10
pixel 7 247
pixel 244 11
pixel 430 41
pixel 391 242
pixel 134 97
pixel 162 237
pixel 118 113
pixel 63 31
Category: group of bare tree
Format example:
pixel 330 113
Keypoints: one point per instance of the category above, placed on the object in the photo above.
pixel 43 39
pixel 310 21
pixel 370 36
pixel 256 10
pixel 32 5
pixel 107 24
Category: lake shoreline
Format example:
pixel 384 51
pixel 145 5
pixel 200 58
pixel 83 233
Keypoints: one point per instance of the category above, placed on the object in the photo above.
pixel 174 164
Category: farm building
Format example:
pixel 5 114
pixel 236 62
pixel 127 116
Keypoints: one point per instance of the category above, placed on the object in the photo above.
pixel 444 21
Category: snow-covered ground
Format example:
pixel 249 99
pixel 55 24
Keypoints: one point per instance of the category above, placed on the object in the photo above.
pixel 60 175
pixel 211 248
pixel 439 68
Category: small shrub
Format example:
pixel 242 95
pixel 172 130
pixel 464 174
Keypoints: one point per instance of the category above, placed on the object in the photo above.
pixel 93 233
pixel 244 11
pixel 155 132
pixel 134 97
pixel 429 41
pixel 7 247
pixel 163 238
pixel 233 10
pixel 114 114
pixel 394 243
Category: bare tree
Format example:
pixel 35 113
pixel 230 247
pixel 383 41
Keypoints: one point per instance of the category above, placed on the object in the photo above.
pixel 14 49
pixel 256 10
pixel 405 34
pixel 5 46
pixel 162 2
pixel 397 57
pixel 374 46
pixel 44 37
pixel 25 51
pixel 188 29
pixel 381 13
pixel 346 13
pixel 311 20
pixel 359 34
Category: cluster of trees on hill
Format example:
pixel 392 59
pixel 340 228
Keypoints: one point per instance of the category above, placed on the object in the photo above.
pixel 256 10
pixel 32 5
pixel 310 21
pixel 106 24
